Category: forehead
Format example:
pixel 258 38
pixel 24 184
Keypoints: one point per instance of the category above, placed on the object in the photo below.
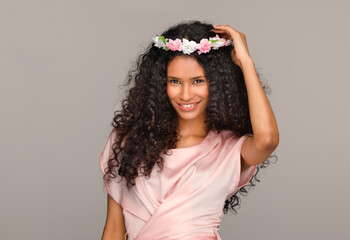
pixel 185 66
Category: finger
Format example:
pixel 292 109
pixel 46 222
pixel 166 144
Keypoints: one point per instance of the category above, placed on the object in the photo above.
pixel 220 31
pixel 225 28
pixel 223 34
pixel 222 27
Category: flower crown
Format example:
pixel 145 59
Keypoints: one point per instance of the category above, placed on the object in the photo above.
pixel 189 47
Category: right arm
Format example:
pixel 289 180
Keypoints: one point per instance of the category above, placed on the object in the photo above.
pixel 115 226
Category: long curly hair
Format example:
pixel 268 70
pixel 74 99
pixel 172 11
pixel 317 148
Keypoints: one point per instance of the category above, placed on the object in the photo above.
pixel 146 125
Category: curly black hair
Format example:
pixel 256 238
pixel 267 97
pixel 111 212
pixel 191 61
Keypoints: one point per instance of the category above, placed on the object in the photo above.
pixel 146 125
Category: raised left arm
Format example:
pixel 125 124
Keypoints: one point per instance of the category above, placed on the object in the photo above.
pixel 264 141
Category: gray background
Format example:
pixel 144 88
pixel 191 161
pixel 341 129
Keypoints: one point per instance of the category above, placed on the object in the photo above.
pixel 61 64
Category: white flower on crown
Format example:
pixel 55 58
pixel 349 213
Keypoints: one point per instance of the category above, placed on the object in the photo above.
pixel 158 43
pixel 217 44
pixel 188 47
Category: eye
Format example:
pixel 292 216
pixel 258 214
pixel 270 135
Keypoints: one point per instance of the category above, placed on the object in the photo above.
pixel 200 80
pixel 171 81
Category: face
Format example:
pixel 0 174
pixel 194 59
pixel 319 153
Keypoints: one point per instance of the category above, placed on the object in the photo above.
pixel 187 88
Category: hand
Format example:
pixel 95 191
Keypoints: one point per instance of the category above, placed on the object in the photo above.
pixel 240 53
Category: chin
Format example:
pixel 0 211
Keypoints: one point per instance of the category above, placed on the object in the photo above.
pixel 189 115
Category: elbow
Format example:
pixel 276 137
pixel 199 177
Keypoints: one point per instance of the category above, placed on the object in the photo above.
pixel 269 141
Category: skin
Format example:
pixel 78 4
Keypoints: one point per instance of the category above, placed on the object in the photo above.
pixel 255 149
pixel 265 139
pixel 184 90
pixel 186 83
pixel 115 226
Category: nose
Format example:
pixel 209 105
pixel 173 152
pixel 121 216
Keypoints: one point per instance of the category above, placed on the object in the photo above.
pixel 186 92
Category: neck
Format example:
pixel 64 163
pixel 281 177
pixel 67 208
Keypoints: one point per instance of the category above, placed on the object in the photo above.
pixel 193 127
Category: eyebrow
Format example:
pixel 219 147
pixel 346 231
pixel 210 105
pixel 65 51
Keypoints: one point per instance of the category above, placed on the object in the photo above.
pixel 191 78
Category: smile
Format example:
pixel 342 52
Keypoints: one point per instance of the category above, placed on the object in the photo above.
pixel 188 107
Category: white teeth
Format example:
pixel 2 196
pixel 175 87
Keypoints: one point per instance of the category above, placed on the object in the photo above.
pixel 189 105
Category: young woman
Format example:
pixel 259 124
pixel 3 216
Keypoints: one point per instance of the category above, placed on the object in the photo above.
pixel 194 128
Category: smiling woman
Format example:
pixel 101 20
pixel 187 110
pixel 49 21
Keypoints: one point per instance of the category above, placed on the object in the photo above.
pixel 184 144
pixel 188 92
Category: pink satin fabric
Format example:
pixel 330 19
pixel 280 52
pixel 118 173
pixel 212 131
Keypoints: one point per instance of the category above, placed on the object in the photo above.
pixel 186 199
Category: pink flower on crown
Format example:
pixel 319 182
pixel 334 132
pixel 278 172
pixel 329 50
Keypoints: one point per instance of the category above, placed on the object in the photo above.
pixel 204 46
pixel 227 42
pixel 174 45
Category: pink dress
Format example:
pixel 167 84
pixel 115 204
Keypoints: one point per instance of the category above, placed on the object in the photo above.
pixel 186 199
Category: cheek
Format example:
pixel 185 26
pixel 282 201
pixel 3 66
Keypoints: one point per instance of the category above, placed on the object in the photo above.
pixel 170 91
pixel 204 93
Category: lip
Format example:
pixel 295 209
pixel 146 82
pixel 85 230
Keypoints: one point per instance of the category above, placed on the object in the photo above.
pixel 190 108
pixel 188 103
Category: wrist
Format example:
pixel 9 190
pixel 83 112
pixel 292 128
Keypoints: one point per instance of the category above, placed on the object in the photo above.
pixel 247 61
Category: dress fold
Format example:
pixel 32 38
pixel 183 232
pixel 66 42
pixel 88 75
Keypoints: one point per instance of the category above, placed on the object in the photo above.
pixel 185 199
